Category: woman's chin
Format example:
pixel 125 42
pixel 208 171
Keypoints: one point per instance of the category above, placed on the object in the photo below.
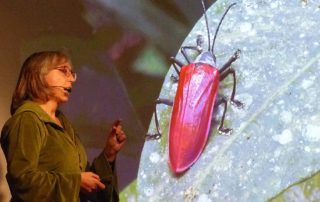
pixel 63 100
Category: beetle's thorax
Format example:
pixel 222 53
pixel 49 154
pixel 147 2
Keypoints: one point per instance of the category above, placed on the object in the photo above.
pixel 206 57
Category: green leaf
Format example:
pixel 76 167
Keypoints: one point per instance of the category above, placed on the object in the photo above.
pixel 306 190
pixel 129 193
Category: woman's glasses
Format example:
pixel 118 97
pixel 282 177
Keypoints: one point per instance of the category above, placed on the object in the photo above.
pixel 67 71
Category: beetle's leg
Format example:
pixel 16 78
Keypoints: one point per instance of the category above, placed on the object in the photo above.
pixel 226 70
pixel 232 59
pixel 223 76
pixel 175 64
pixel 184 52
pixel 197 48
pixel 164 101
pixel 222 129
pixel 157 135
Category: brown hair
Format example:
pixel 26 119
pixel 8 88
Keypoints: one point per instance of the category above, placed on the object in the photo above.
pixel 31 84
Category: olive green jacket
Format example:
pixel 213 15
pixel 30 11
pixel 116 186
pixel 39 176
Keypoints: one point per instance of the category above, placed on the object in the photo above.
pixel 44 160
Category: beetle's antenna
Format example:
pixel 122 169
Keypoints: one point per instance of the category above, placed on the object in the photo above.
pixel 206 19
pixel 217 30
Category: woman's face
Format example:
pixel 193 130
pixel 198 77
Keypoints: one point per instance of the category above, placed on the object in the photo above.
pixel 60 79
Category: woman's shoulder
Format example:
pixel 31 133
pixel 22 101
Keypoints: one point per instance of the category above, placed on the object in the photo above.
pixel 18 122
pixel 25 114
pixel 27 122
pixel 20 118
pixel 32 110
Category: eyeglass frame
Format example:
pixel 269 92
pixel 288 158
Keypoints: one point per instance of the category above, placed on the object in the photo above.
pixel 66 71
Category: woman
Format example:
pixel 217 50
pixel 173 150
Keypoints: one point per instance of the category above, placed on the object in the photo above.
pixel 46 160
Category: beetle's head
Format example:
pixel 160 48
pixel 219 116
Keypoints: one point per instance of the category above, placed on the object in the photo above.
pixel 206 57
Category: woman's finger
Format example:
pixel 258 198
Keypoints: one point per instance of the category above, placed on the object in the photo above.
pixel 95 176
pixel 100 185
pixel 121 137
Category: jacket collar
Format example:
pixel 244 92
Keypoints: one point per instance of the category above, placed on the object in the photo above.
pixel 43 116
pixel 35 108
